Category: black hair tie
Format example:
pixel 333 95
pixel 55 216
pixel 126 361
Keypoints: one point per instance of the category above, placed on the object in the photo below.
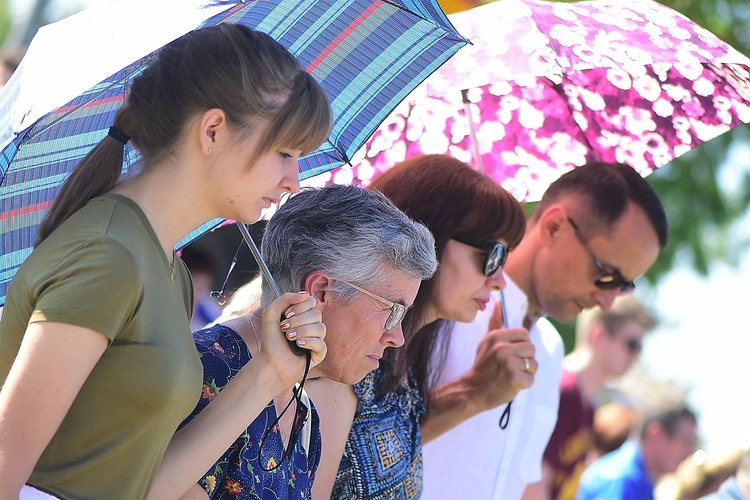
pixel 118 135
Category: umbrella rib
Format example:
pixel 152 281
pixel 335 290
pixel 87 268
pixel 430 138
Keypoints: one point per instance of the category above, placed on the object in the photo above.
pixel 558 89
pixel 447 33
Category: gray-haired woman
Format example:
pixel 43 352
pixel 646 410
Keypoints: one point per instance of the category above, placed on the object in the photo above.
pixel 362 260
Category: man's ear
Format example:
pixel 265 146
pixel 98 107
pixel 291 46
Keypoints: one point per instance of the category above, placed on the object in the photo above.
pixel 318 284
pixel 551 223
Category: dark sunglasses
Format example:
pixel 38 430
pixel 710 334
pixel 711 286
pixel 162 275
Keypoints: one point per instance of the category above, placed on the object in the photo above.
pixel 606 280
pixel 496 252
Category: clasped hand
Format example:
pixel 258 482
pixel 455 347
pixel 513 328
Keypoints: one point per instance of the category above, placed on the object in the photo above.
pixel 500 367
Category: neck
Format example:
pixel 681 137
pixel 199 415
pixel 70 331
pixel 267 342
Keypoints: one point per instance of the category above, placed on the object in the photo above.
pixel 520 268
pixel 591 378
pixel 652 469
pixel 171 205
pixel 243 325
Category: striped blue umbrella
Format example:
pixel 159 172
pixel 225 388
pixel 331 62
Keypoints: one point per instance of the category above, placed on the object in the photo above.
pixel 367 54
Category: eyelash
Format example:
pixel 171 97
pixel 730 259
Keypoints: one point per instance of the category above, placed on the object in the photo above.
pixel 284 155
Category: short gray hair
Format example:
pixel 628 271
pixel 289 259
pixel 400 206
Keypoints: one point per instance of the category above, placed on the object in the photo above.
pixel 349 232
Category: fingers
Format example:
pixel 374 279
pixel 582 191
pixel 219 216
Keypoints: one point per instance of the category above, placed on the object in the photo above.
pixel 290 305
pixel 302 324
pixel 496 320
pixel 317 348
pixel 528 365
pixel 512 335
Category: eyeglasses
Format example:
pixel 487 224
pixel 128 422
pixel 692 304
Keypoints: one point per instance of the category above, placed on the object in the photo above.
pixel 398 311
pixel 607 280
pixel 497 254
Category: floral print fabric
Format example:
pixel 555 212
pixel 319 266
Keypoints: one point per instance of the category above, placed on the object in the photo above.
pixel 552 85
pixel 383 454
pixel 239 474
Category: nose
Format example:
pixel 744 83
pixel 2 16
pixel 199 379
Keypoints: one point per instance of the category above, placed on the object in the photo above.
pixel 394 337
pixel 605 298
pixel 290 182
pixel 496 281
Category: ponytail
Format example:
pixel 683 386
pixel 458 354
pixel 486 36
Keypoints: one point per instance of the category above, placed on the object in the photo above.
pixel 97 173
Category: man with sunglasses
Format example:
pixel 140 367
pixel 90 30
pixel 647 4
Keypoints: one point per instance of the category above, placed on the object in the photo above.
pixel 596 229
pixel 607 345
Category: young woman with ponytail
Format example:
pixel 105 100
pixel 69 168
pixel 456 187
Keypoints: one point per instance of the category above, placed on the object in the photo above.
pixel 97 362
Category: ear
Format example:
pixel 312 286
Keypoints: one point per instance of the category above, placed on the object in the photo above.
pixel 317 284
pixel 550 224
pixel 654 431
pixel 211 129
pixel 597 333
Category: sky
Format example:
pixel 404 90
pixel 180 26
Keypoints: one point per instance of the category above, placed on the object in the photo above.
pixel 702 342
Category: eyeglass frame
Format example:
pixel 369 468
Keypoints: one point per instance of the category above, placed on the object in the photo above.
pixel 398 311
pixel 488 247
pixel 616 280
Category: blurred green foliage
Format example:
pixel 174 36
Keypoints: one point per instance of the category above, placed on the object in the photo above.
pixel 4 20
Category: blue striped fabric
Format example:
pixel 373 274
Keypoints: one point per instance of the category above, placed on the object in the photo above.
pixel 368 55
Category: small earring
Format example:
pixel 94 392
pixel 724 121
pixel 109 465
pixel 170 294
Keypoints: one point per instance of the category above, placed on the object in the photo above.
pixel 210 150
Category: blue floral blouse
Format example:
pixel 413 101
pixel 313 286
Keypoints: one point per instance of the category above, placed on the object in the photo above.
pixel 383 454
pixel 239 474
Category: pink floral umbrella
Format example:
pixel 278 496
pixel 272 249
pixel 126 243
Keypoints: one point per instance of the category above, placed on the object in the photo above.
pixel 547 86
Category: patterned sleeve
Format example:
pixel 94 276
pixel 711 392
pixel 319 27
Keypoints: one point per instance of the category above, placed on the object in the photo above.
pixel 219 356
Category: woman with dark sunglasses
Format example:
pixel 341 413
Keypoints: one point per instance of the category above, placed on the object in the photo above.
pixel 475 223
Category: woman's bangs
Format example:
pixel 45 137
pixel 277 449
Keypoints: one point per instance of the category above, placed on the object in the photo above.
pixel 304 122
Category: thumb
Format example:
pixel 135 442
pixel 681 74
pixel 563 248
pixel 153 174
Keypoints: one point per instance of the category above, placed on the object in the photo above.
pixel 496 320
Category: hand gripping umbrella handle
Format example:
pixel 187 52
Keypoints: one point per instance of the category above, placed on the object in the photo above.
pixel 268 277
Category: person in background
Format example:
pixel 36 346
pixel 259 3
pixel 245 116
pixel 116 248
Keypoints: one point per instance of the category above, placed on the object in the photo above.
pixel 596 229
pixel 666 438
pixel 9 61
pixel 613 423
pixel 607 345
pixel 736 486
pixel 699 475
pixel 373 433
pixel 205 308
pixel 363 261
pixel 97 363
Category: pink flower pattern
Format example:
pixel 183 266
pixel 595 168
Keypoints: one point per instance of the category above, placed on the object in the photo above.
pixel 553 85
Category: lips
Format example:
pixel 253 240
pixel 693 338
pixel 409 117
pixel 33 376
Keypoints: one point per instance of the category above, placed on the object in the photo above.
pixel 481 304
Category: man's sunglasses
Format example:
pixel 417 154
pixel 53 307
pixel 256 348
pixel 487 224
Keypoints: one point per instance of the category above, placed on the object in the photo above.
pixel 606 280
pixel 497 254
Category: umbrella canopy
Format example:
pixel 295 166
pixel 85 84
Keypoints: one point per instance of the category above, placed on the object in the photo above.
pixel 368 55
pixel 547 86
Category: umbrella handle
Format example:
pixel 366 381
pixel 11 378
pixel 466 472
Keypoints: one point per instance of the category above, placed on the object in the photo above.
pixel 269 279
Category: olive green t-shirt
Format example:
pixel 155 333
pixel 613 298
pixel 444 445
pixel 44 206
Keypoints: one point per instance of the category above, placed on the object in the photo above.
pixel 105 270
